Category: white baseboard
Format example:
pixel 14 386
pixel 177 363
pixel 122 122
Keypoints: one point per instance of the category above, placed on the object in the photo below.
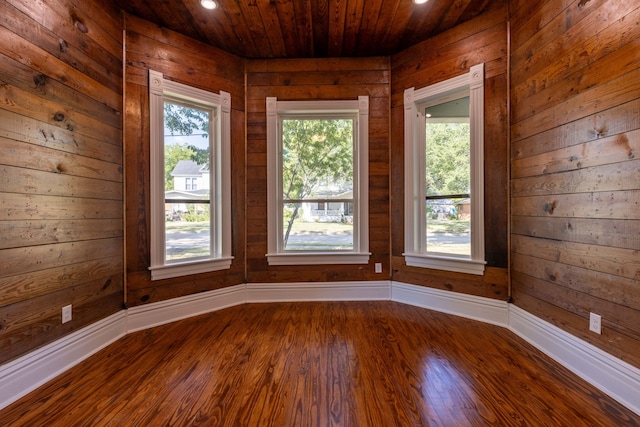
pixel 158 313
pixel 486 310
pixel 613 376
pixel 25 374
pixel 318 291
pixel 618 379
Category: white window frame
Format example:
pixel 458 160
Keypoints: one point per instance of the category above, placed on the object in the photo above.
pixel 416 253
pixel 220 176
pixel 360 253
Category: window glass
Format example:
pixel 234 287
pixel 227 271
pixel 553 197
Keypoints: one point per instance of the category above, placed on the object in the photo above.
pixel 448 178
pixel 317 184
pixel 186 160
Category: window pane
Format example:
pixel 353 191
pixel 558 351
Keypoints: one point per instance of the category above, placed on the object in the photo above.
pixel 318 226
pixel 449 226
pixel 187 231
pixel 317 158
pixel 187 181
pixel 317 165
pixel 448 178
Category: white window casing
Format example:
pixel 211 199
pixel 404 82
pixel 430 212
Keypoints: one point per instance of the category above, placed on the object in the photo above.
pixel 416 253
pixel 220 178
pixel 360 253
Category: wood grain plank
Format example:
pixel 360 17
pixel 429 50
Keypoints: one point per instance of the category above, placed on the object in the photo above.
pixel 20 287
pixel 617 261
pixel 56 182
pixel 625 88
pixel 603 124
pixel 16 234
pixel 602 151
pixel 616 233
pixel 609 177
pixel 35 206
pixel 28 156
pixel 46 64
pixel 24 103
pixel 607 287
pixel 16 127
pixel 35 258
pixel 613 205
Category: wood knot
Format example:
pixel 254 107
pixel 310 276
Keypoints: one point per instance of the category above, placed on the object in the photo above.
pixel 63 45
pixel 40 79
pixel 70 127
pixel 81 27
pixel 549 207
pixel 107 284
pixel 58 117
pixel 552 277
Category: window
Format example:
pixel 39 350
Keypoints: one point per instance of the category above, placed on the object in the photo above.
pixel 190 135
pixel 444 174
pixel 318 182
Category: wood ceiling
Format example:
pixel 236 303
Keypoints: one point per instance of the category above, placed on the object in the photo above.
pixel 309 28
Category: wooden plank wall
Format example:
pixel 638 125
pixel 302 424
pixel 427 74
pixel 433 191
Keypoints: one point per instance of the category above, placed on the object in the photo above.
pixel 61 228
pixel 304 79
pixel 448 55
pixel 186 61
pixel 575 91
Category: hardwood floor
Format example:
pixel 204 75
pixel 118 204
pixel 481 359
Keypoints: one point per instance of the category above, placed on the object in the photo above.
pixel 319 364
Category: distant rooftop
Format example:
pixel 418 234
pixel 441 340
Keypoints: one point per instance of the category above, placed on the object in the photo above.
pixel 188 168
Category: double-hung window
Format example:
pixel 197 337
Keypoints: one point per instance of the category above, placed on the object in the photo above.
pixel 317 182
pixel 190 144
pixel 444 174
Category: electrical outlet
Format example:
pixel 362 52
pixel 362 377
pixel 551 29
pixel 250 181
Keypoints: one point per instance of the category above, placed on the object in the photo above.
pixel 66 313
pixel 595 323
pixel 378 267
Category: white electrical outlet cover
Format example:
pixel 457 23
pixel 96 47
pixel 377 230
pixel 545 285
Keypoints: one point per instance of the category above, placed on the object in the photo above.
pixel 595 323
pixel 67 313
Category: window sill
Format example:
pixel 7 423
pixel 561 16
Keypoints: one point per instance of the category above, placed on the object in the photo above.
pixel 186 268
pixel 446 263
pixel 318 258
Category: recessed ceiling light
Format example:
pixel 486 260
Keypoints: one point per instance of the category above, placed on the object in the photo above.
pixel 420 1
pixel 208 4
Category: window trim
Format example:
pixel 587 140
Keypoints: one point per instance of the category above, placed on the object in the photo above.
pixel 416 254
pixel 360 254
pixel 220 177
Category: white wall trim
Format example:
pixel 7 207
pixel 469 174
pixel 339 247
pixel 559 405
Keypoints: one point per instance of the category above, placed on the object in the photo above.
pixel 159 313
pixel 613 376
pixel 319 291
pixel 486 310
pixel 25 374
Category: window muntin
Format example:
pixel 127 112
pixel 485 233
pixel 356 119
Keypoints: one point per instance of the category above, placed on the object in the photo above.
pixel 426 110
pixel 190 179
pixel 318 182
